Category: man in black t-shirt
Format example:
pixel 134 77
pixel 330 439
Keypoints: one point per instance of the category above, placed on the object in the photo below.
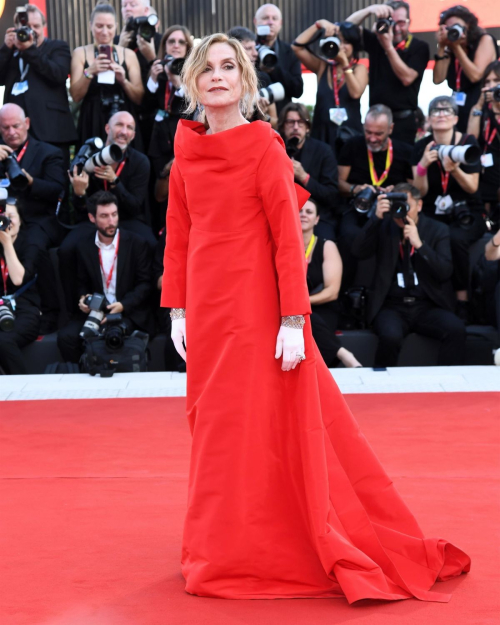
pixel 397 64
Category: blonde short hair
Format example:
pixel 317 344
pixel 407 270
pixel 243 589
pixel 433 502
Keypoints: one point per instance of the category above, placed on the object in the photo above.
pixel 197 61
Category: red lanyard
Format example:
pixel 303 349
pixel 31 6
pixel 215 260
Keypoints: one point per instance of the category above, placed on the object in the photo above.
pixel 118 172
pixel 458 73
pixel 445 177
pixel 376 180
pixel 337 84
pixel 5 275
pixel 488 138
pixel 21 153
pixel 401 250
pixel 108 277
pixel 169 96
pixel 404 44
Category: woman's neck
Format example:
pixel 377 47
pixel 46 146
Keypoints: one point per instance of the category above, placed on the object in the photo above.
pixel 224 118
pixel 308 235
pixel 443 137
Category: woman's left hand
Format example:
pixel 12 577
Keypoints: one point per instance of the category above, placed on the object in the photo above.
pixel 290 345
pixel 119 72
pixel 449 165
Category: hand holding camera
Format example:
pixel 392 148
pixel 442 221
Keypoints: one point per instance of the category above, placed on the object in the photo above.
pixel 100 64
pixel 156 69
pixel 331 30
pixel 383 206
pixel 410 233
pixel 79 180
pixel 10 37
pixel 429 156
pixel 146 48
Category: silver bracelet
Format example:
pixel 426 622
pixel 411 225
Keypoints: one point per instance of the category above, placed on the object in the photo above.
pixel 295 321
pixel 177 313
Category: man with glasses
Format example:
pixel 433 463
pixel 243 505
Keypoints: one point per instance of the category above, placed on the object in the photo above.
pixel 314 164
pixel 397 64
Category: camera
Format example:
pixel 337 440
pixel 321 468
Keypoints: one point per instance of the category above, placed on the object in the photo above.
pixel 274 92
pixel 267 57
pixel 399 205
pixel 174 65
pixel 462 214
pixel 9 168
pixel 144 26
pixel 455 32
pixel 330 47
pixel 291 146
pixel 496 93
pixel 354 304
pixel 113 104
pixel 24 32
pixel 4 220
pixel 383 25
pixel 107 156
pixel 7 316
pixel 365 200
pixel 88 149
pixel 97 304
pixel 115 330
pixel 463 154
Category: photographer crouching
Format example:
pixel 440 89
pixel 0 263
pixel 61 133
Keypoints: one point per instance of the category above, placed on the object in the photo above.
pixel 448 180
pixel 412 291
pixel 20 316
pixel 113 264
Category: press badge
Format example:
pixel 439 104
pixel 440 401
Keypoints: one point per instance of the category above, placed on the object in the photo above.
pixel 443 204
pixel 460 98
pixel 160 115
pixel 107 77
pixel 19 87
pixel 487 160
pixel 338 115
pixel 401 280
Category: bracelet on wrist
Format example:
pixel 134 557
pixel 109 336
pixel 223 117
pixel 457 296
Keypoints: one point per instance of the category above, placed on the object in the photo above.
pixel 438 57
pixel 295 321
pixel 177 313
pixel 421 170
pixel 477 112
pixel 87 74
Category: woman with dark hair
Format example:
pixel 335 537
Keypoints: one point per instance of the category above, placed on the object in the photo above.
pixel 105 78
pixel 18 264
pixel 341 82
pixel 484 124
pixel 463 52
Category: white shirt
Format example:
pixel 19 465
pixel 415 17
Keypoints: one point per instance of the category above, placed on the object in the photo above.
pixel 108 256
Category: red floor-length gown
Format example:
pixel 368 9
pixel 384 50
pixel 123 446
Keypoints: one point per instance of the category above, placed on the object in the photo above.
pixel 286 497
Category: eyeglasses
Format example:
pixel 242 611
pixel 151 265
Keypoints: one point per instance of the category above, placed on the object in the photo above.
pixel 181 42
pixel 444 112
pixel 292 122
pixel 402 23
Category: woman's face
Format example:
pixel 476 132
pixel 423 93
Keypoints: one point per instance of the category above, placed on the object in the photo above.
pixel 103 28
pixel 442 117
pixel 219 83
pixel 15 220
pixel 492 80
pixel 176 45
pixel 308 216
pixel 345 47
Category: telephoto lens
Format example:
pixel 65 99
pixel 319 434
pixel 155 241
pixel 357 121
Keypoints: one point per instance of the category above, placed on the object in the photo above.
pixel 364 200
pixel 7 317
pixel 174 65
pixel 18 180
pixel 330 47
pixel 463 154
pixel 107 156
pixel 273 93
pixel 90 147
pixel 454 32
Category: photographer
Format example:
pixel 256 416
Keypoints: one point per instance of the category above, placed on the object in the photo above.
pixel 287 71
pixel 397 63
pixel 104 78
pixel 18 266
pixel 450 189
pixel 113 262
pixel 412 290
pixel 34 70
pixel 464 51
pixel 341 81
pixel 375 161
pixel 314 164
pixel 484 124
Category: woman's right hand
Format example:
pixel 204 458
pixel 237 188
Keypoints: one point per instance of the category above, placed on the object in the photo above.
pixel 156 69
pixel 178 335
pixel 101 64
pixel 429 156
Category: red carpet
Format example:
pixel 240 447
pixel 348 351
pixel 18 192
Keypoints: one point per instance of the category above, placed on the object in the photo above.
pixel 93 495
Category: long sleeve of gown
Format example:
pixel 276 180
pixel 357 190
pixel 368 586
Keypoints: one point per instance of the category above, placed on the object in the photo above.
pixel 277 191
pixel 173 288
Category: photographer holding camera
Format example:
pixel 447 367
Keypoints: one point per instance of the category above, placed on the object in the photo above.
pixel 34 70
pixel 397 63
pixel 19 317
pixel 448 180
pixel 104 78
pixel 285 69
pixel 411 290
pixel 112 262
pixel 464 51
pixel 314 164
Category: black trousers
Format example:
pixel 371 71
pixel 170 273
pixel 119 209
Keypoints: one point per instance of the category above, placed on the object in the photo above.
pixel 350 226
pixel 405 129
pixel 26 327
pixel 460 240
pixel 396 320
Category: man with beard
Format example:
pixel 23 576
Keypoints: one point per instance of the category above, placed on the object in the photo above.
pixel 112 262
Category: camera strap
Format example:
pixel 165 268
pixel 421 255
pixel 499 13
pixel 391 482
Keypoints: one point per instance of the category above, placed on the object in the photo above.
pixel 5 275
pixel 107 278
pixel 117 172
pixel 406 253
pixel 169 96
pixel 376 180
pixel 19 292
pixel 458 75
pixel 23 71
pixel 19 157
pixel 488 138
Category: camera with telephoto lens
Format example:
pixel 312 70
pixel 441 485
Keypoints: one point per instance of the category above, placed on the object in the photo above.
pixel 4 220
pixel 495 91
pixel 399 205
pixel 330 47
pixel 463 154
pixel 107 156
pixel 365 200
pixel 273 93
pixel 144 26
pixel 88 149
pixel 7 316
pixel 455 32
pixel 115 330
pixel 24 32
pixel 10 168
pixel 172 64
pixel 112 104
pixel 97 304
pixel 267 57
pixel 383 25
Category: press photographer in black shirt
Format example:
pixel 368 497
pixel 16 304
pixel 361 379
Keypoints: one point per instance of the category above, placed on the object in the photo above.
pixel 412 290
pixel 397 64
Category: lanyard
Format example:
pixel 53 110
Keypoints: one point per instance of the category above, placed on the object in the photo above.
pixel 118 172
pixel 405 44
pixel 169 96
pixel 5 275
pixel 23 70
pixel 19 157
pixel 310 246
pixel 337 84
pixel 458 73
pixel 108 277
pixel 401 250
pixel 488 138
pixel 388 162
pixel 445 177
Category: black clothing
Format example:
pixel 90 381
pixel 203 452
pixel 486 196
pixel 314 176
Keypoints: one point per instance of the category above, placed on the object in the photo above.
pixel 322 127
pixel 46 101
pixel 471 89
pixel 489 181
pixel 385 86
pixel 288 72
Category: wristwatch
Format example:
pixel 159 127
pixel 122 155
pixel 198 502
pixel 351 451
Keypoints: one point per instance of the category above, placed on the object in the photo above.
pixel 115 182
pixel 441 58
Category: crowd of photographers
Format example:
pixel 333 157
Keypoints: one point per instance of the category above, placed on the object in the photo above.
pixel 411 190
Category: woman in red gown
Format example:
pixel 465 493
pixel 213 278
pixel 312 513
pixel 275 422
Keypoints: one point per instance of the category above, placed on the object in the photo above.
pixel 286 497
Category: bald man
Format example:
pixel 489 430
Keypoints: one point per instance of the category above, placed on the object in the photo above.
pixel 287 71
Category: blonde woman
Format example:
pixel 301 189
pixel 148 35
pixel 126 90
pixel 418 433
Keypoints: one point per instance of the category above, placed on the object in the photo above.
pixel 286 497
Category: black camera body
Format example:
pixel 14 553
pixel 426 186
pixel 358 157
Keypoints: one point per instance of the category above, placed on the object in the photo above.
pixel 383 25
pixel 144 26
pixel 115 330
pixel 97 304
pixel 455 32
pixel 112 104
pixel 4 220
pixel 24 32
pixel 88 149
pixel 495 93
pixel 461 213
pixel 399 205
pixel 174 65
pixel 7 316
pixel 10 168
pixel 291 146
